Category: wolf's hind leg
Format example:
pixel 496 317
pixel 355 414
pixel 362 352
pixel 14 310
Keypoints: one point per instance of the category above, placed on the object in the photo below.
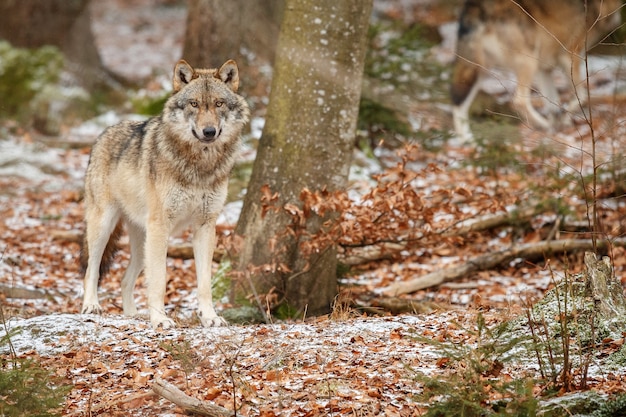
pixel 100 226
pixel 137 237
pixel 460 115
pixel 526 70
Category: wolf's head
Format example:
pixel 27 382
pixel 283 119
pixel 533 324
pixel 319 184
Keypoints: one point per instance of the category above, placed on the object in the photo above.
pixel 205 105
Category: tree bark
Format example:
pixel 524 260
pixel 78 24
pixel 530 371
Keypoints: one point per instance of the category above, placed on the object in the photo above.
pixel 306 143
pixel 606 292
pixel 221 30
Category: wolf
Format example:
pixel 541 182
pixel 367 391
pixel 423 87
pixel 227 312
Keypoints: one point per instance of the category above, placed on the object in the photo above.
pixel 529 38
pixel 158 177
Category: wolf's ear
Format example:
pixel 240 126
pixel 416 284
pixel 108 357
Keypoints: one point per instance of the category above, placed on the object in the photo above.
pixel 229 74
pixel 183 74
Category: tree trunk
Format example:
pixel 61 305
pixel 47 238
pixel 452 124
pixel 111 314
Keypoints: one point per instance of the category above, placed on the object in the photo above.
pixel 61 23
pixel 221 30
pixel 306 143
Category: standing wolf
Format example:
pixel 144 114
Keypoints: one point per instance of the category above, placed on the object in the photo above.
pixel 530 38
pixel 159 176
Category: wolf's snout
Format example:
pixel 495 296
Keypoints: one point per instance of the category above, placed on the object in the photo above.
pixel 209 132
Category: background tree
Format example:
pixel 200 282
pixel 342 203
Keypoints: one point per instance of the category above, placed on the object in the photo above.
pixel 61 23
pixel 220 30
pixel 307 143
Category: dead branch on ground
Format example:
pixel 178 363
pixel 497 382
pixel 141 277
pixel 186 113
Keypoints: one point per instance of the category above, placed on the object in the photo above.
pixel 189 404
pixel 491 260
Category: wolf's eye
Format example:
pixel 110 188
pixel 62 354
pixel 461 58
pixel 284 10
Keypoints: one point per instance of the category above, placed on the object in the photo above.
pixel 193 103
pixel 219 103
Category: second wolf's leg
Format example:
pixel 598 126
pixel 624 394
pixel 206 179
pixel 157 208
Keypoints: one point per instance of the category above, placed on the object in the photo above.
pixel 526 70
pixel 99 226
pixel 460 114
pixel 203 247
pixel 548 91
pixel 136 236
pixel 157 234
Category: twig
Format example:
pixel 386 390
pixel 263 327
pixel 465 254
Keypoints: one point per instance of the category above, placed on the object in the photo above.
pixel 189 404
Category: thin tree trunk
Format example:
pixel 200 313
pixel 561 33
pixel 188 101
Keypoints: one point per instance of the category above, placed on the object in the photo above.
pixel 217 31
pixel 306 144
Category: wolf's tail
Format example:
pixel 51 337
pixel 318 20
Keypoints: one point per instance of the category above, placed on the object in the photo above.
pixel 464 76
pixel 109 251
pixel 466 66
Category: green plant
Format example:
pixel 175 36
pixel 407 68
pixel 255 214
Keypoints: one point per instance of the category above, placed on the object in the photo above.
pixel 182 352
pixel 473 385
pixel 26 388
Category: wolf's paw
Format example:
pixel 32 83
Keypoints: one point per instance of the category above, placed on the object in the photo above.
pixel 91 309
pixel 213 321
pixel 162 323
pixel 131 312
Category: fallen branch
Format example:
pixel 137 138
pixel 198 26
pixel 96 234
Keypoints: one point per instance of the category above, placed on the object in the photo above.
pixel 189 404
pixel 384 250
pixel 19 292
pixel 494 220
pixel 491 260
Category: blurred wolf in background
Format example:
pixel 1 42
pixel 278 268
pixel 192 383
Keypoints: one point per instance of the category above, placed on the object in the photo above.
pixel 159 176
pixel 530 38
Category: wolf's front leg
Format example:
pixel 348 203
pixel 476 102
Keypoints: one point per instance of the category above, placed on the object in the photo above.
pixel 156 280
pixel 203 247
pixel 100 225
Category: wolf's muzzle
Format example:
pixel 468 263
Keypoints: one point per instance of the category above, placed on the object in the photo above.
pixel 209 134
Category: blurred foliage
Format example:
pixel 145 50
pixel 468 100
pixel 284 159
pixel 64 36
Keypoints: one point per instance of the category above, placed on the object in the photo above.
pixel 396 64
pixel 150 105
pixel 24 73
pixel 398 56
pixel 376 118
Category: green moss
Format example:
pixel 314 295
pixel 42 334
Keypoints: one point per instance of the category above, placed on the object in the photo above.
pixel 396 64
pixel 220 283
pixel 150 105
pixel 396 55
pixel 618 359
pixel 376 118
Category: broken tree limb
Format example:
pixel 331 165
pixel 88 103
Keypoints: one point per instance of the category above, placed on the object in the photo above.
pixel 378 251
pixel 606 292
pixel 189 404
pixel 10 291
pixel 491 260
pixel 494 220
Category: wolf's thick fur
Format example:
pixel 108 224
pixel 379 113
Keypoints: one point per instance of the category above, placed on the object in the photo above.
pixel 159 176
pixel 531 38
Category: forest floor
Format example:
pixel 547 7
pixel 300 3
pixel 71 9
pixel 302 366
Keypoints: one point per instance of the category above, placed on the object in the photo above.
pixel 351 362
